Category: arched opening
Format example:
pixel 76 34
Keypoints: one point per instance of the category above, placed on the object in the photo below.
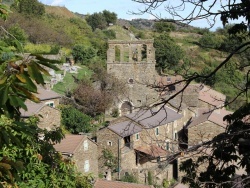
pixel 117 54
pixel 144 52
pixel 126 108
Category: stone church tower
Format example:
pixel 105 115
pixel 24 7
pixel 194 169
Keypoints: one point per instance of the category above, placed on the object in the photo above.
pixel 133 62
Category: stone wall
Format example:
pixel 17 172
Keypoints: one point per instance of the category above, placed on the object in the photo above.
pixel 203 132
pixel 49 118
pixel 137 72
pixel 91 154
pixel 107 139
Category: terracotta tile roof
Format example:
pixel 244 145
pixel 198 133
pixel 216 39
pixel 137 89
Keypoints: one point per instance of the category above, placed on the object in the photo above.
pixel 153 117
pixel 125 128
pixel 117 184
pixel 211 96
pixel 69 144
pixel 215 116
pixel 152 150
pixel 33 108
pixel 44 94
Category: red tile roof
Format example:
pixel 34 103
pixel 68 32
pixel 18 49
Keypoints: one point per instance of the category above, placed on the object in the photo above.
pixel 152 150
pixel 117 184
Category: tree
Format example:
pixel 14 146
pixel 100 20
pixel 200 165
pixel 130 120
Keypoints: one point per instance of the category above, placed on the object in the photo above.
pixel 168 54
pixel 15 33
pixel 83 54
pixel 26 160
pixel 162 26
pixel 227 151
pixel 30 8
pixel 110 17
pixel 75 121
pixel 97 20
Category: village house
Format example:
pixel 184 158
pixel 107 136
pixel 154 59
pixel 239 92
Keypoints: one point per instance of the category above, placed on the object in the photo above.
pixel 82 151
pixel 49 115
pixel 141 141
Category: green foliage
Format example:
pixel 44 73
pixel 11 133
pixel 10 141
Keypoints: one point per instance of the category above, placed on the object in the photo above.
pixel 150 178
pixel 110 161
pixel 110 34
pixel 83 54
pixel 30 7
pixel 97 20
pixel 101 20
pixel 162 26
pixel 168 54
pixel 115 112
pixel 75 121
pixel 210 40
pixel 168 183
pixel 129 178
pixel 15 33
pixel 110 17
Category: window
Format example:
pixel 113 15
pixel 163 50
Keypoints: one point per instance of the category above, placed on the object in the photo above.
pixel 158 159
pixel 157 131
pixel 130 80
pixel 109 143
pixel 167 145
pixel 137 136
pixel 50 103
pixel 85 145
pixel 175 135
pixel 86 166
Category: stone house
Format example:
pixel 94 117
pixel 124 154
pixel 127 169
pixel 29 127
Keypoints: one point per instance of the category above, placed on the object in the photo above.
pixel 206 125
pixel 49 115
pixel 81 150
pixel 141 141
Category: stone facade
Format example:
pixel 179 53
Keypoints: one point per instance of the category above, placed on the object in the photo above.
pixel 49 118
pixel 82 155
pixel 135 66
pixel 203 132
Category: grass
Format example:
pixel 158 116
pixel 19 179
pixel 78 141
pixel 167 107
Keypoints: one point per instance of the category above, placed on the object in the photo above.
pixel 68 83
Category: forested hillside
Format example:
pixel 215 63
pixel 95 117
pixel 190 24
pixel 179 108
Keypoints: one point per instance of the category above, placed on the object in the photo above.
pixel 180 49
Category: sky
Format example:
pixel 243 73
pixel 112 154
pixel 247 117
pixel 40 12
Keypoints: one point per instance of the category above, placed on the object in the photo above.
pixel 123 9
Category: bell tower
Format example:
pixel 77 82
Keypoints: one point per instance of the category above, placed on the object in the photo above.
pixel 133 62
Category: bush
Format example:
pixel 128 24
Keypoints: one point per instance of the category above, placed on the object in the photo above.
pixel 75 121
pixel 129 178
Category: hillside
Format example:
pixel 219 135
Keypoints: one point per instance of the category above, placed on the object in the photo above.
pixel 59 11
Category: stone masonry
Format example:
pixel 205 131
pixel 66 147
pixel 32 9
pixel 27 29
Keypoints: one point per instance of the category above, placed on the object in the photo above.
pixel 133 62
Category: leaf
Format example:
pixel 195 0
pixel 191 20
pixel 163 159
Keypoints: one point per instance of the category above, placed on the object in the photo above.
pixel 3 79
pixel 47 62
pixel 42 70
pixel 21 78
pixel 4 94
pixel 35 73
pixel 17 102
pixel 27 93
pixel 29 83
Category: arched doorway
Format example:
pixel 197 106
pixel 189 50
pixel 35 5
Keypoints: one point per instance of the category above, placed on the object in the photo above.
pixel 126 108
